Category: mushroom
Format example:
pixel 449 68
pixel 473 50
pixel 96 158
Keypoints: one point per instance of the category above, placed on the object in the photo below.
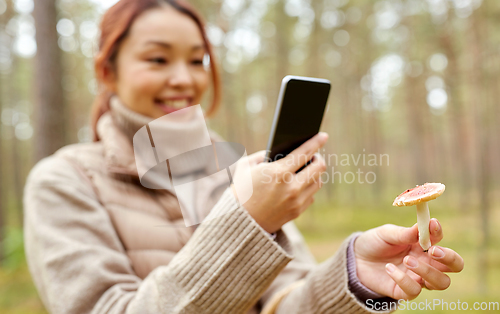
pixel 419 196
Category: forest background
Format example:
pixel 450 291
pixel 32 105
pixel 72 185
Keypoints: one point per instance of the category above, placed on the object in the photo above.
pixel 414 99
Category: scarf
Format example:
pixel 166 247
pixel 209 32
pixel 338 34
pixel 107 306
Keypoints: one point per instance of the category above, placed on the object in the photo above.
pixel 191 166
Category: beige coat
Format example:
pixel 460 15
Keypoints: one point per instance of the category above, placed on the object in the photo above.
pixel 98 242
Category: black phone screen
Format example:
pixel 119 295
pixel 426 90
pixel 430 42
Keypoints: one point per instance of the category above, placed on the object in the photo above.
pixel 298 116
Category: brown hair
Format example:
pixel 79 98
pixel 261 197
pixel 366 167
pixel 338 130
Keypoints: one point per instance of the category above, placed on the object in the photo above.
pixel 115 26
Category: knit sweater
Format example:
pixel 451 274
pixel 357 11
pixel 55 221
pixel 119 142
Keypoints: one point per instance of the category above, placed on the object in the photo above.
pixel 228 265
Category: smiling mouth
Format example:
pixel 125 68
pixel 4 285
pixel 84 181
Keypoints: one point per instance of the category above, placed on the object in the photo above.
pixel 171 105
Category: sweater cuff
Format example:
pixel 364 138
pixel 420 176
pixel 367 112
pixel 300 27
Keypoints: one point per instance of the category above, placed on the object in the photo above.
pixel 326 290
pixel 357 288
pixel 363 293
pixel 340 298
pixel 228 263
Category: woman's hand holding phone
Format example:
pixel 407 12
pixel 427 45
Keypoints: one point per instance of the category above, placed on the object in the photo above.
pixel 279 194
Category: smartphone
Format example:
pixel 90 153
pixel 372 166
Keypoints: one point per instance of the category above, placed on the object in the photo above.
pixel 298 115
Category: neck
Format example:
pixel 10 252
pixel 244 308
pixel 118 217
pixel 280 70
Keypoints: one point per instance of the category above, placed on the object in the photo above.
pixel 126 119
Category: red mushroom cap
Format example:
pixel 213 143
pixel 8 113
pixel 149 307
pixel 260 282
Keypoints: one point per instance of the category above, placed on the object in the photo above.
pixel 419 194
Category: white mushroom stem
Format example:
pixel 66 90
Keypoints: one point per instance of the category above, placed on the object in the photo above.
pixel 423 219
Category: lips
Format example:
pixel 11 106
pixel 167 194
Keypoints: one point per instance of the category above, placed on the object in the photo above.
pixel 173 104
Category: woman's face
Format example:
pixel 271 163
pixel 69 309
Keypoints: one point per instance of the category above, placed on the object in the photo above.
pixel 159 66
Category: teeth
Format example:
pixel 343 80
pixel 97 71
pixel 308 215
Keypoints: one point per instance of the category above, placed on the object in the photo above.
pixel 177 104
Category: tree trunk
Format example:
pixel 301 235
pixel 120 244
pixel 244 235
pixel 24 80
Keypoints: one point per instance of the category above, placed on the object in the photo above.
pixel 49 101
pixel 2 200
pixel 417 130
pixel 3 203
pixel 482 115
pixel 282 32
pixel 458 119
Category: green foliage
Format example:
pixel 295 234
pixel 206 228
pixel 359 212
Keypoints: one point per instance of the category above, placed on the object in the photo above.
pixel 14 249
pixel 17 292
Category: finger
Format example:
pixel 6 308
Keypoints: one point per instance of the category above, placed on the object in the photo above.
pixel 449 258
pixel 301 155
pixel 415 277
pixel 397 235
pixel 428 273
pixel 308 202
pixel 410 289
pixel 311 174
pixel 428 285
pixel 257 158
pixel 311 189
pixel 436 231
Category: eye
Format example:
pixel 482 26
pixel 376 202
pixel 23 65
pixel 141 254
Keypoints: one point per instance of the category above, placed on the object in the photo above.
pixel 158 60
pixel 197 62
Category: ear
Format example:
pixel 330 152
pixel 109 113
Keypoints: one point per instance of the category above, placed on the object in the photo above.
pixel 109 78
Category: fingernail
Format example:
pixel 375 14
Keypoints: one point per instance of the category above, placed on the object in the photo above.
pixel 323 135
pixel 437 252
pixel 411 261
pixel 390 268
pixel 438 226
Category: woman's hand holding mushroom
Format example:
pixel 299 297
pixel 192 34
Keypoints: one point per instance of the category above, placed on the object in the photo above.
pixel 390 261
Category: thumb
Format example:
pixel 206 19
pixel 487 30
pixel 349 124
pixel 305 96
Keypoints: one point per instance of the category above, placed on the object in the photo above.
pixel 397 235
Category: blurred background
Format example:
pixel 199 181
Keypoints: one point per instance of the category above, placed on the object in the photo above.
pixel 415 87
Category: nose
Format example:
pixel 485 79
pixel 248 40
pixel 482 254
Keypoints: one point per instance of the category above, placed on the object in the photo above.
pixel 180 76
